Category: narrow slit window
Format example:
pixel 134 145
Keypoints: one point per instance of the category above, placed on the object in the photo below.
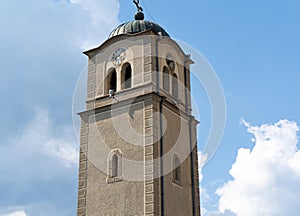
pixel 176 170
pixel 115 167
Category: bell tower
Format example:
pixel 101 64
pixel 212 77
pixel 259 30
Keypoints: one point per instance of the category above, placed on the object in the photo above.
pixel 138 142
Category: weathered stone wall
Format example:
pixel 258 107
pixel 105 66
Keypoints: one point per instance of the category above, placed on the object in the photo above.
pixel 177 196
pixel 131 124
pixel 124 197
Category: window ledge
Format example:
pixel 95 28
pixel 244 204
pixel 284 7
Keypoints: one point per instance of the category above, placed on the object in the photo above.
pixel 176 182
pixel 111 180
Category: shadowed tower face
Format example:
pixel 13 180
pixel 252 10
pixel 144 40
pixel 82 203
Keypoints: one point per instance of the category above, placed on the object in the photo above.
pixel 138 152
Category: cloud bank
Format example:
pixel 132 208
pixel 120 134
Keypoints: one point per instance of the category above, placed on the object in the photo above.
pixel 42 137
pixel 43 43
pixel 17 213
pixel 37 166
pixel 103 16
pixel 265 179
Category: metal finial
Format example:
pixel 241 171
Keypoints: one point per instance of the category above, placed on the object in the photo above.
pixel 138 6
pixel 139 14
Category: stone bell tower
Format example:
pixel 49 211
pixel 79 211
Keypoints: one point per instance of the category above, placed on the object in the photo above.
pixel 138 152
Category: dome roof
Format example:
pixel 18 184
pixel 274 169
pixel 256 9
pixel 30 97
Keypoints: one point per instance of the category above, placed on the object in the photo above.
pixel 138 26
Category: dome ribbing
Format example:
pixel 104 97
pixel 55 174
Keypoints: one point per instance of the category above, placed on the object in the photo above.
pixel 138 26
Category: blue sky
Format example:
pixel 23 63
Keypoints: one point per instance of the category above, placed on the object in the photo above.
pixel 253 47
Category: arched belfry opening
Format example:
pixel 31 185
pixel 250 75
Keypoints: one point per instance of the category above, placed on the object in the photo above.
pixel 166 79
pixel 126 76
pixel 111 80
pixel 175 86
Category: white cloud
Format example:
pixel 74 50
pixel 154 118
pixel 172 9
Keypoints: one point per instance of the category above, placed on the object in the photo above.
pixel 205 198
pixel 201 162
pixel 205 212
pixel 39 169
pixel 13 211
pixel 18 213
pixel 265 179
pixel 43 42
pixel 103 15
pixel 100 10
pixel 44 137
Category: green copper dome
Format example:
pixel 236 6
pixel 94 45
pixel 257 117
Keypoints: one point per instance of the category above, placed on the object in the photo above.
pixel 138 26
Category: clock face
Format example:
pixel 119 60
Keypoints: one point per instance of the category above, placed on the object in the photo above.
pixel 118 56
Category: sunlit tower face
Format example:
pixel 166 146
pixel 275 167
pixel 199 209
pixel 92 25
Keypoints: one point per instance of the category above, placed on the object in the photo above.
pixel 138 138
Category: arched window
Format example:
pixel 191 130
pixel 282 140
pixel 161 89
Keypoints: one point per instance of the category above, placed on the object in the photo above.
pixel 115 167
pixel 166 82
pixel 126 76
pixel 175 86
pixel 176 170
pixel 112 81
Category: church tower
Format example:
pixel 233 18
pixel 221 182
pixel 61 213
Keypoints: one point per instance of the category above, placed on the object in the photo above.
pixel 138 142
